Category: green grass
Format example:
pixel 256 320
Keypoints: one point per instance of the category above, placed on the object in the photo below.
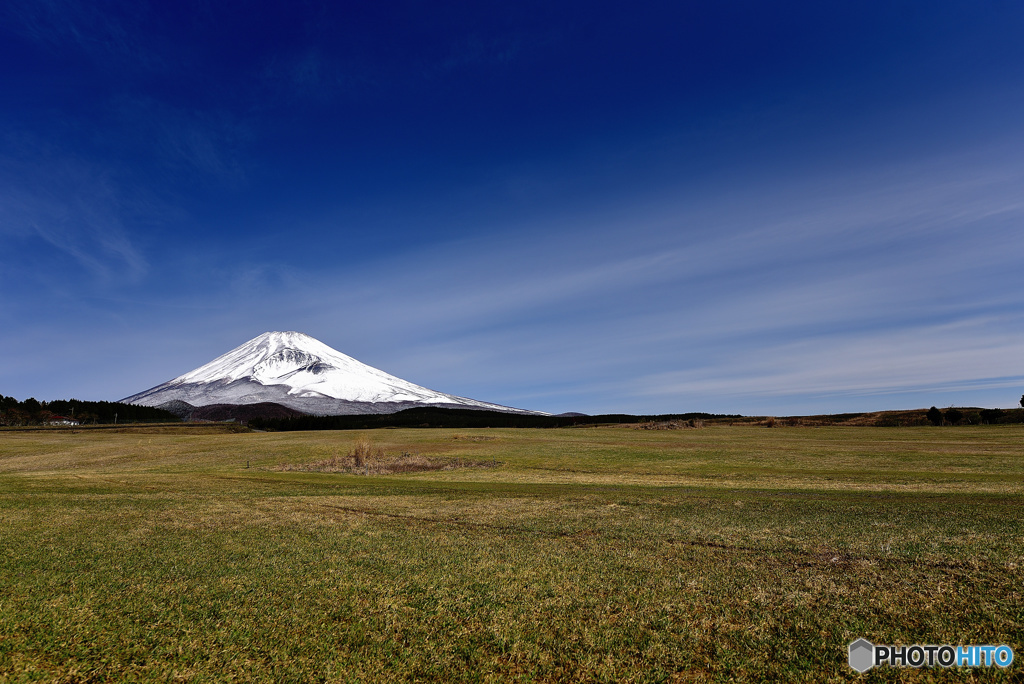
pixel 610 554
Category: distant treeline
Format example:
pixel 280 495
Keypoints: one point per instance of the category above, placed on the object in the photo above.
pixel 34 412
pixel 457 418
pixel 969 416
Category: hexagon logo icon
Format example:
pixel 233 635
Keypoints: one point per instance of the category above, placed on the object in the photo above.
pixel 862 654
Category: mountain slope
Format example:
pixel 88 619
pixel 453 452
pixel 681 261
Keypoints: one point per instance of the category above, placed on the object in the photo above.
pixel 300 372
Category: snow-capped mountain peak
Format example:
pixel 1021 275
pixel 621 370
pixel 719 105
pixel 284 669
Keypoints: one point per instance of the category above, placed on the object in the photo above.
pixel 299 371
pixel 265 358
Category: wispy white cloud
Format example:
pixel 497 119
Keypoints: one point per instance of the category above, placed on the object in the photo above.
pixel 971 352
pixel 76 209
pixel 806 293
pixel 869 288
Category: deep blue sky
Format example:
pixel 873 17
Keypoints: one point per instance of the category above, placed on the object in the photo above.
pixel 751 207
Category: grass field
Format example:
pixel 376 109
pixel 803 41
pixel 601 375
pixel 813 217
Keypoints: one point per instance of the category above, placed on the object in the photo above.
pixel 598 554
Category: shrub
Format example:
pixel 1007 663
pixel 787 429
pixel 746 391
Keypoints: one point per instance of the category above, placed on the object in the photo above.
pixel 364 451
pixel 935 416
pixel 991 416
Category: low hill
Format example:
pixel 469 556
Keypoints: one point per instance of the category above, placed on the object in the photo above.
pixel 471 418
pixel 464 418
pixel 242 413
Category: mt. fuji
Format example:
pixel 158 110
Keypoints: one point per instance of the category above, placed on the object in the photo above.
pixel 300 372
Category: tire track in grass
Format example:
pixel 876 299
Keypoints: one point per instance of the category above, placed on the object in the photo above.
pixel 816 558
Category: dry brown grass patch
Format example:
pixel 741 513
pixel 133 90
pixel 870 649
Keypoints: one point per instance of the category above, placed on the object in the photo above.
pixel 693 424
pixel 366 459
